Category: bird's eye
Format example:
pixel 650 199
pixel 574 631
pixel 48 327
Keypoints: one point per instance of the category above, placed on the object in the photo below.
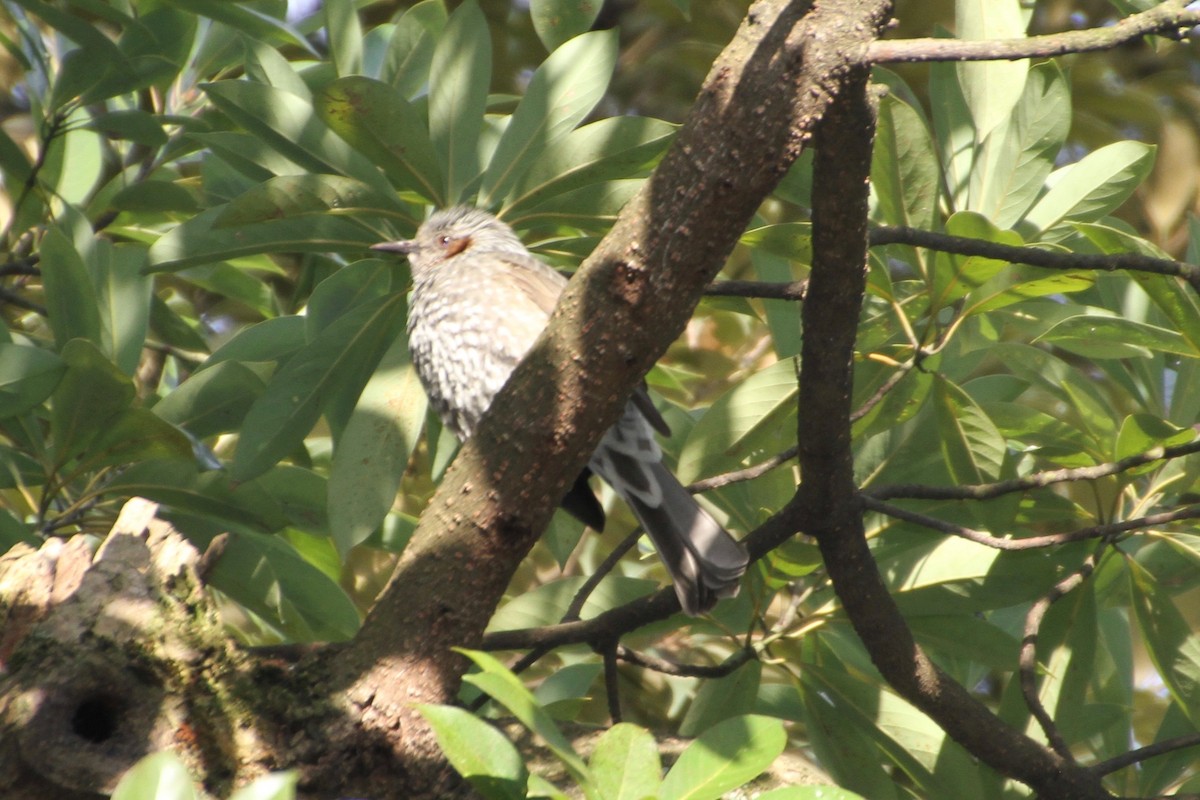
pixel 443 240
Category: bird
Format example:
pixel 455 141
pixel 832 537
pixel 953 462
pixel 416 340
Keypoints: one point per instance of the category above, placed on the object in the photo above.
pixel 479 301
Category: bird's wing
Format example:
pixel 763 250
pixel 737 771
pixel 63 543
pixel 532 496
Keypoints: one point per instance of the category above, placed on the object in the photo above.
pixel 536 281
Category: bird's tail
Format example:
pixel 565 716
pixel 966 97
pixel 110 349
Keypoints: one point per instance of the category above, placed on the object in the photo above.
pixel 705 562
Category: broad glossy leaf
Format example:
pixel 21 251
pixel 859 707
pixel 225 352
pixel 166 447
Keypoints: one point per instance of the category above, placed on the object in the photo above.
pixel 350 286
pixel 265 574
pixel 556 21
pixel 266 65
pixel 379 123
pixel 991 88
pixel 132 125
pixel 458 87
pixel 244 17
pixel 1103 336
pixel 290 125
pixel 373 450
pixel 271 340
pixel 1173 646
pixel 507 690
pixel 70 295
pixel 410 50
pixel 123 298
pixel 1174 299
pixel 954 130
pixel 12 530
pixel 90 396
pixel 810 793
pixel 608 149
pixel 625 763
pixel 724 757
pixel 562 91
pixel 722 698
pixel 973 447
pixel 333 362
pixel 1088 189
pixel 27 377
pixel 790 240
pixel 783 317
pixel 592 208
pixel 904 170
pixel 212 401
pixel 478 752
pixel 304 213
pixel 954 275
pixel 136 435
pixel 751 421
pixel 345 35
pixel 1013 164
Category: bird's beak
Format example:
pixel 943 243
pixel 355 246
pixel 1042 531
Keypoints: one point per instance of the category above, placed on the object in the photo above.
pixel 405 246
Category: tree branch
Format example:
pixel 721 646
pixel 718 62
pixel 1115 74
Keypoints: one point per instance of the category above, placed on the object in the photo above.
pixel 1036 256
pixel 1170 18
pixel 828 493
pixel 1038 480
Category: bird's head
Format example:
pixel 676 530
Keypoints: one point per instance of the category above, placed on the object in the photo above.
pixel 454 232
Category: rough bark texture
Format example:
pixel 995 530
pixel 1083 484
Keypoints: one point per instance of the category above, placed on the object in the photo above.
pixel 108 656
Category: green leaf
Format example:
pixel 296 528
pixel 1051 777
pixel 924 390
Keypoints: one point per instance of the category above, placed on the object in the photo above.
pixel 724 757
pixel 971 444
pixel 1173 647
pixel 562 91
pixel 90 396
pixel 478 752
pixel 991 88
pixel 504 687
pixel 132 125
pixel 212 401
pixel 135 435
pixel 379 123
pixel 410 49
pixel 1103 336
pixel 373 451
pixel 290 125
pixel 556 21
pixel 790 240
pixel 349 287
pixel 904 170
pixel 302 213
pixel 345 36
pixel 123 299
pixel 27 377
pixel 247 19
pixel 181 485
pixel 12 530
pixel 625 763
pixel 955 276
pixel 722 698
pixel 265 574
pixel 1088 189
pixel 70 296
pixel 294 399
pixel 458 87
pixel 745 425
pixel 608 149
pixel 160 776
pixel 1011 168
pixel 271 340
pixel 954 131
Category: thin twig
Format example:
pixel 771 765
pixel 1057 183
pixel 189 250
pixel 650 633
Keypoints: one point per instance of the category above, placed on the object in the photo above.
pixel 1036 256
pixel 789 290
pixel 1038 480
pixel 666 667
pixel 1032 542
pixel 747 474
pixel 606 566
pixel 1028 659
pixel 1146 753
pixel 1169 18
pixel 14 299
